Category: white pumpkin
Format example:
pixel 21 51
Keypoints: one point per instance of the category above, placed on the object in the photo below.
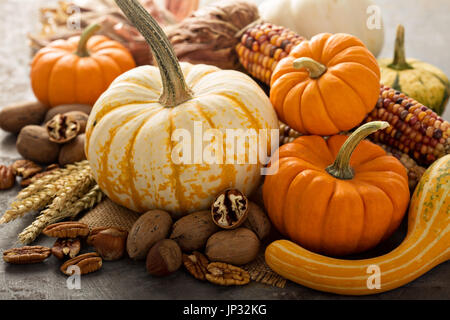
pixel 129 142
pixel 307 18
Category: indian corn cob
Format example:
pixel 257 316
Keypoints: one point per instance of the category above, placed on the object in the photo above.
pixel 414 129
pixel 262 46
pixel 415 171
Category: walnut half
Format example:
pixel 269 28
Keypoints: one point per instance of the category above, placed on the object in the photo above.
pixel 229 209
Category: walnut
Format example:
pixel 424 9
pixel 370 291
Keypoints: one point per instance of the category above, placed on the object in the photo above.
pixel 196 264
pixel 62 128
pixel 7 177
pixel 226 274
pixel 229 209
pixel 26 255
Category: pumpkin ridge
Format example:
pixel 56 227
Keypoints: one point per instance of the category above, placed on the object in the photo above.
pixel 236 102
pixel 50 73
pixel 128 163
pixel 175 170
pixel 327 212
pixel 368 107
pixel 102 73
pixel 296 91
pixel 325 106
pixel 103 170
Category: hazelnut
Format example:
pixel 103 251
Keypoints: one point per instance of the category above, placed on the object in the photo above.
pixel 109 243
pixel 164 258
pixel 229 209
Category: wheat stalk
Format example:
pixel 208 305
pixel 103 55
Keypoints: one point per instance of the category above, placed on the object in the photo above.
pixel 70 210
pixel 54 175
pixel 43 191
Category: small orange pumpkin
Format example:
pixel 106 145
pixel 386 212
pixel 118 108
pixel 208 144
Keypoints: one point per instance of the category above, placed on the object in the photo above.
pixel 325 85
pixel 79 69
pixel 341 207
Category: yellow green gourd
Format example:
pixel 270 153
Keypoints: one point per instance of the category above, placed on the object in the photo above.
pixel 420 80
pixel 426 245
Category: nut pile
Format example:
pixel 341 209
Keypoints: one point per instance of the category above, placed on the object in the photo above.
pixel 209 251
pixel 45 137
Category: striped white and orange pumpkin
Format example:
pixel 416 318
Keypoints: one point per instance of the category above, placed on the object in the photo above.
pixel 129 133
pixel 426 245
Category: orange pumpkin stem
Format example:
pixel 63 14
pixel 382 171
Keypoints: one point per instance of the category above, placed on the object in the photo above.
pixel 341 168
pixel 85 36
pixel 314 68
pixel 399 62
pixel 175 89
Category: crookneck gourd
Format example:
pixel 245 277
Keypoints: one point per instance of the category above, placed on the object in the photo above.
pixel 79 69
pixel 419 80
pixel 325 85
pixel 134 129
pixel 337 197
pixel 426 245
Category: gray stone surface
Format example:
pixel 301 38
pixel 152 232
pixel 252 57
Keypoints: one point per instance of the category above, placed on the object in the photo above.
pixel 427 36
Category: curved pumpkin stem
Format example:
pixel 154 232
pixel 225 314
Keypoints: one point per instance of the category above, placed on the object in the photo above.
pixel 175 89
pixel 399 62
pixel 85 36
pixel 314 68
pixel 341 168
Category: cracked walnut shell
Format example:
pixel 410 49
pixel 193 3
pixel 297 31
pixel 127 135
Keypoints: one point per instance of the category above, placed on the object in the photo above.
pixel 62 128
pixel 229 209
pixel 226 274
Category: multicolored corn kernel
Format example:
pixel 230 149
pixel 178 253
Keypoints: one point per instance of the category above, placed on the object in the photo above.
pixel 262 46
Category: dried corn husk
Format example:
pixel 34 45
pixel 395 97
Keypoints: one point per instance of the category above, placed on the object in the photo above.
pixel 208 35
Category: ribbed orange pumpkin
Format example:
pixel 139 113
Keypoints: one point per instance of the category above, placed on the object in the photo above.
pixel 325 85
pixel 341 207
pixel 79 69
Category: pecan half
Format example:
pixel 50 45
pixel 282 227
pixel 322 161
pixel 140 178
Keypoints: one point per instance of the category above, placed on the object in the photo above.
pixel 229 209
pixel 64 247
pixel 25 168
pixel 226 274
pixel 26 255
pixel 196 264
pixel 37 176
pixel 67 229
pixel 62 128
pixel 7 177
pixel 88 262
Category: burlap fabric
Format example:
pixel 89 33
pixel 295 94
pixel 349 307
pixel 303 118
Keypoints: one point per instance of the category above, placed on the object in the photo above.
pixel 109 214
